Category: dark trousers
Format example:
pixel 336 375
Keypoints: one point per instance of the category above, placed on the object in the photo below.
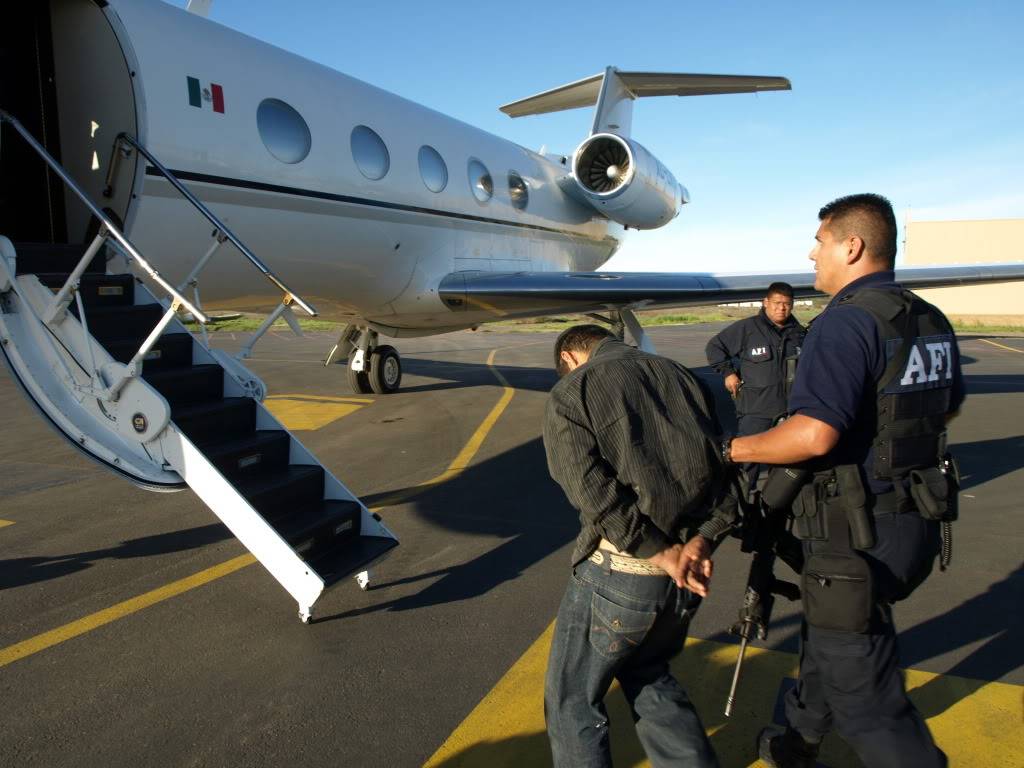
pixel 852 681
pixel 619 626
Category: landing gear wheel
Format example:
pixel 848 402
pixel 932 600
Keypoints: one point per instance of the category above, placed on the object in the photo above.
pixel 305 615
pixel 385 370
pixel 358 381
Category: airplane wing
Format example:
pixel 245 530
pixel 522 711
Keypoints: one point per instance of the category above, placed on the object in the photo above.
pixel 529 294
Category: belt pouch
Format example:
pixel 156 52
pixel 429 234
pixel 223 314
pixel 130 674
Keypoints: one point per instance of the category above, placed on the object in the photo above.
pixel 808 521
pixel 837 585
pixel 930 490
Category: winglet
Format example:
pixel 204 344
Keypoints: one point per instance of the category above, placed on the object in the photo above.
pixel 612 90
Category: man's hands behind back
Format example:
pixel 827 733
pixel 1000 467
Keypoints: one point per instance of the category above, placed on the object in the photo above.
pixel 689 564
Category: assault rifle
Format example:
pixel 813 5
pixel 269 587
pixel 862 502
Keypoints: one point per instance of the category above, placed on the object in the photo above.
pixel 765 536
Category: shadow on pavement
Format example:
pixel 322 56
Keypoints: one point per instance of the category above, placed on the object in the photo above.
pixel 993 383
pixel 30 570
pixel 994 617
pixel 522 505
pixel 455 375
pixel 985 460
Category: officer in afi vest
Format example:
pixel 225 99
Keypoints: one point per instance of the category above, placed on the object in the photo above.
pixel 879 377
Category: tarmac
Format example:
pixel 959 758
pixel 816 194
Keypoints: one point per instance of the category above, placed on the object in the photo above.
pixel 135 631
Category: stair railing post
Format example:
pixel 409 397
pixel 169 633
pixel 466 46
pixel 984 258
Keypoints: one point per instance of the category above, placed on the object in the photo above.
pixel 134 367
pixel 86 337
pixel 279 310
pixel 193 276
pixel 202 326
pixel 55 311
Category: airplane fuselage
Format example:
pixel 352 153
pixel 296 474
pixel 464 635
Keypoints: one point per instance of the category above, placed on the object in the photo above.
pixel 356 246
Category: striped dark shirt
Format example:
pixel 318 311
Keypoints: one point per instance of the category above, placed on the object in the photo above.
pixel 630 438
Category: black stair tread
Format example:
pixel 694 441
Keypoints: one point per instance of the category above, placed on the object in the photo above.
pixel 302 528
pixel 155 377
pixel 57 279
pixel 255 486
pixel 350 556
pixel 217 420
pixel 34 258
pixel 189 384
pixel 166 341
pixel 131 309
pixel 261 451
pixel 206 410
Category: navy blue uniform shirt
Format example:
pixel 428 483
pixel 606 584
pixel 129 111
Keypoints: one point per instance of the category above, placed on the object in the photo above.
pixel 842 359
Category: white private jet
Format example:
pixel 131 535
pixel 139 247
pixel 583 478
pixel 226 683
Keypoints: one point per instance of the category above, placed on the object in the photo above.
pixel 133 129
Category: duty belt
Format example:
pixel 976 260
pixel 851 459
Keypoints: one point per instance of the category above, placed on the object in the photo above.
pixel 624 563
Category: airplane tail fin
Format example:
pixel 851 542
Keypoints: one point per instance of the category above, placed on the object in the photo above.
pixel 614 92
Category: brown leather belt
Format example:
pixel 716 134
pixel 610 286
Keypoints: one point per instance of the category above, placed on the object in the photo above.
pixel 624 563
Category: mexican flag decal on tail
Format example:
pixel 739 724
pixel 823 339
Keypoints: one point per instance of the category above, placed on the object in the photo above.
pixel 213 94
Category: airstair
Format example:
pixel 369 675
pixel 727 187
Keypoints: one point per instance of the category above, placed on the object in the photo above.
pixel 92 335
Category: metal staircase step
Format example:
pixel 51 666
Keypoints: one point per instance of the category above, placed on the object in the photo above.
pixel 172 350
pixel 348 556
pixel 187 386
pixel 324 524
pixel 121 323
pixel 254 454
pixel 34 258
pixel 275 494
pixel 207 423
pixel 97 290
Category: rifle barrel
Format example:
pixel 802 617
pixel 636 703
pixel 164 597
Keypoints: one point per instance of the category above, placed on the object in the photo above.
pixel 736 676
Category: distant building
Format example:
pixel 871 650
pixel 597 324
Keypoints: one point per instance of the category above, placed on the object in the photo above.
pixel 931 243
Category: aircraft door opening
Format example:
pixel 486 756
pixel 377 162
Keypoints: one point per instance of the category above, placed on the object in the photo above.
pixel 95 102
pixel 31 197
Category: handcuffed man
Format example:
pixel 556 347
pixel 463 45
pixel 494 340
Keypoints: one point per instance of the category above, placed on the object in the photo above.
pixel 630 438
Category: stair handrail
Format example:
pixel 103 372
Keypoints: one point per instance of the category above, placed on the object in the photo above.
pixel 105 221
pixel 289 295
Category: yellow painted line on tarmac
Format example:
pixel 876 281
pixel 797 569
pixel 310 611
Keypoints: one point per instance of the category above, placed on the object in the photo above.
pixel 5 523
pixel 312 412
pixel 459 464
pixel 93 621
pixel 974 721
pixel 1003 346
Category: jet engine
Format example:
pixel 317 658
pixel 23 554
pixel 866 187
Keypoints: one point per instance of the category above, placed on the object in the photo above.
pixel 626 183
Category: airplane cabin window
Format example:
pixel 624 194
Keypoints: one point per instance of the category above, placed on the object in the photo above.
pixel 283 131
pixel 370 153
pixel 480 181
pixel 433 171
pixel 518 191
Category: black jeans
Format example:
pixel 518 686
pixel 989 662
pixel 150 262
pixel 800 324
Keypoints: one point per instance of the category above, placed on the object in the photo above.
pixel 610 626
pixel 852 681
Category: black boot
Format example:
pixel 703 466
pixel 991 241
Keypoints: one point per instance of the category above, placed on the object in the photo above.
pixel 785 748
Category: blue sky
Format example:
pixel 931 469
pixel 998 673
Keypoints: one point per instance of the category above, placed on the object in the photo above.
pixel 920 101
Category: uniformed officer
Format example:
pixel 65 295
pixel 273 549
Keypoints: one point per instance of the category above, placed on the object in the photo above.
pixel 756 356
pixel 879 377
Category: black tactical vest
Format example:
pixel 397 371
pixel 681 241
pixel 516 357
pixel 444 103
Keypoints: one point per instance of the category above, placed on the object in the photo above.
pixel 916 387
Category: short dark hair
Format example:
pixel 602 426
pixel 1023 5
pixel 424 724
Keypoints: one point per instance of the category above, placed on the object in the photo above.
pixel 868 216
pixel 578 338
pixel 784 289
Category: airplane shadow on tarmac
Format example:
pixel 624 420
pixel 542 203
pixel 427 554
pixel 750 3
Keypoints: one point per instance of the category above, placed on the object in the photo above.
pixel 985 460
pixel 993 383
pixel 993 617
pixel 29 570
pixel 533 517
pixel 456 375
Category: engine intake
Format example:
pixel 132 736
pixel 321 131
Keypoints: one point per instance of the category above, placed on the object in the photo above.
pixel 626 183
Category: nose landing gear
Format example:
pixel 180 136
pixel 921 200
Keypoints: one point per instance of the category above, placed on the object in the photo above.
pixel 371 367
